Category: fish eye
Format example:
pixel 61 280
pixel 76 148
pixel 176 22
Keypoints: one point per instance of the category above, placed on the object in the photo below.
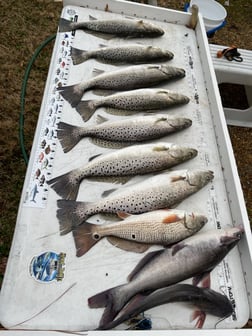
pixel 96 236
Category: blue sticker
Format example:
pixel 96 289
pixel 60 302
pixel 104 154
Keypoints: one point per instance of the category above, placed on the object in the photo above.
pixel 48 266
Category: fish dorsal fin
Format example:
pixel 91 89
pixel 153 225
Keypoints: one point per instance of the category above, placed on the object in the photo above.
pixel 94 157
pixel 101 45
pixel 92 18
pixel 143 262
pixel 97 71
pixel 171 218
pixel 177 247
pixel 100 119
pixel 108 192
pixel 127 245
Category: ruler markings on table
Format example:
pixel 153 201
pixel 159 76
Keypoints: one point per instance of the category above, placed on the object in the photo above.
pixel 37 190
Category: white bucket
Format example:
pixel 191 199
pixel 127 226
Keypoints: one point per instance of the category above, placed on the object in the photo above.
pixel 212 12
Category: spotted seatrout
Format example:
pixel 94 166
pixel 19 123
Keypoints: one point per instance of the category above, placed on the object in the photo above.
pixel 125 162
pixel 109 28
pixel 193 257
pixel 129 78
pixel 133 101
pixel 163 227
pixel 126 54
pixel 206 300
pixel 120 133
pixel 158 192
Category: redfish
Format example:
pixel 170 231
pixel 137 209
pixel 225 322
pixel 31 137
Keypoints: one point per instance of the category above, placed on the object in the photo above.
pixel 163 227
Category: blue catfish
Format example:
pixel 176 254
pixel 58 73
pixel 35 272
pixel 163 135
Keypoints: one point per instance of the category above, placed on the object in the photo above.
pixel 195 257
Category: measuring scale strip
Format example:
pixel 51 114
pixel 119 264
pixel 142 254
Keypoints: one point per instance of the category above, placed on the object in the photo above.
pixel 37 191
pixel 223 270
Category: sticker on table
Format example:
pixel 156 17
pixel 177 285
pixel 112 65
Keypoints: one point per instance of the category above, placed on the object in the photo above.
pixel 48 266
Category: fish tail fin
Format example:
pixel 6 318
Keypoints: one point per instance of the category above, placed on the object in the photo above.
pixel 86 109
pixel 79 56
pixel 111 300
pixel 66 185
pixel 83 238
pixel 72 93
pixel 69 135
pixel 65 25
pixel 71 214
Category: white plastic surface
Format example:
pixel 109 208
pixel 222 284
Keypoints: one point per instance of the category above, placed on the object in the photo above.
pixel 63 305
pixel 212 11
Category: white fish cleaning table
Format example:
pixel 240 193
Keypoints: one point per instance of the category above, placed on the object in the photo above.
pixel 43 275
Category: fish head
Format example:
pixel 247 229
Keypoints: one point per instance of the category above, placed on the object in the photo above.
pixel 215 303
pixel 168 70
pixel 182 153
pixel 179 123
pixel 194 221
pixel 153 30
pixel 231 236
pixel 199 177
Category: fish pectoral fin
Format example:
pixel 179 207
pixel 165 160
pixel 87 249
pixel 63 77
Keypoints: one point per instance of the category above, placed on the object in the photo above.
pixel 123 215
pixel 201 277
pixel 171 218
pixel 143 262
pixel 201 316
pixel 128 245
pixel 92 18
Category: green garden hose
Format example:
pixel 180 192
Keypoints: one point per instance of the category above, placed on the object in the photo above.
pixel 23 93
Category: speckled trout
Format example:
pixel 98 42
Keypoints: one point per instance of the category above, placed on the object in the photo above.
pixel 133 101
pixel 123 163
pixel 125 54
pixel 193 257
pixel 157 192
pixel 163 227
pixel 109 28
pixel 129 78
pixel 120 133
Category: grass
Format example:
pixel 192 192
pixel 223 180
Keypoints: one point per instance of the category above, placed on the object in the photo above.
pixel 24 25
